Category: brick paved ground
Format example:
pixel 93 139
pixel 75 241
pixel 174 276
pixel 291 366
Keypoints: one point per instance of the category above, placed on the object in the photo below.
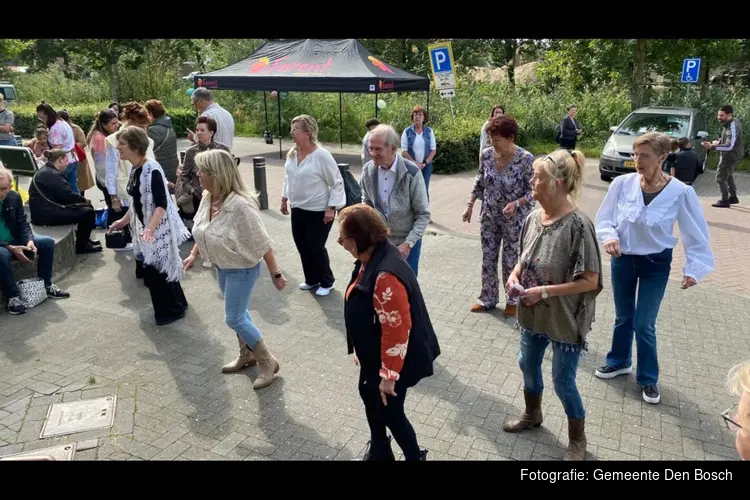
pixel 175 404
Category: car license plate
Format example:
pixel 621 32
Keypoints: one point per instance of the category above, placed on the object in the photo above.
pixel 628 164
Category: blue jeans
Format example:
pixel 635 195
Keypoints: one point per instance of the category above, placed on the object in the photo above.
pixel 71 175
pixel 45 257
pixel 427 174
pixel 237 286
pixel 8 142
pixel 641 277
pixel 413 258
pixel 564 366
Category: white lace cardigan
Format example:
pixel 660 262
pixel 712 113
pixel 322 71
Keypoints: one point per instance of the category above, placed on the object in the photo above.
pixel 647 229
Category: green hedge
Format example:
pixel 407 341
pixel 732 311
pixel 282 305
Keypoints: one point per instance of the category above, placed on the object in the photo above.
pixel 84 116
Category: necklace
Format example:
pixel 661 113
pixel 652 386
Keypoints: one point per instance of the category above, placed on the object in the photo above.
pixel 647 185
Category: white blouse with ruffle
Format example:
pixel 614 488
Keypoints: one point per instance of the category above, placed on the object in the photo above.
pixel 647 229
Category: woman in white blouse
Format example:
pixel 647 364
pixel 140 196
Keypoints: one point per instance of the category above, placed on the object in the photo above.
pixel 314 187
pixel 229 232
pixel 635 224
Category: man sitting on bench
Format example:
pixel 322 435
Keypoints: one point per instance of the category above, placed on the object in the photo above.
pixel 17 241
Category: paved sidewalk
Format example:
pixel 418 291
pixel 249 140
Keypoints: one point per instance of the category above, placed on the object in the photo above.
pixel 174 402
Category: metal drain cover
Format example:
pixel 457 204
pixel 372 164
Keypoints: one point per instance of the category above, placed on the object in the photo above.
pixel 79 416
pixel 63 452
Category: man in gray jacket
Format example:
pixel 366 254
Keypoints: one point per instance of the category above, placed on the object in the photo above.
pixel 395 187
pixel 731 150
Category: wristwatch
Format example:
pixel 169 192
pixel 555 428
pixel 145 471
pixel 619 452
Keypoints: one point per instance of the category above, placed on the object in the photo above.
pixel 411 245
pixel 545 296
pixel 277 275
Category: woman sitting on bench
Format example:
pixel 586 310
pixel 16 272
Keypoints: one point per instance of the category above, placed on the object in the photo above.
pixel 52 202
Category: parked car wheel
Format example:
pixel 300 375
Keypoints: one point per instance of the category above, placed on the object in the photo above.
pixel 605 178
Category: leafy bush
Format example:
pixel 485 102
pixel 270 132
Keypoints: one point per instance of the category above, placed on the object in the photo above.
pixel 84 116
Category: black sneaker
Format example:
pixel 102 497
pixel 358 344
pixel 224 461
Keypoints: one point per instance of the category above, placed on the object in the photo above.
pixel 423 455
pixel 53 292
pixel 734 200
pixel 607 372
pixel 15 306
pixel 722 204
pixel 651 394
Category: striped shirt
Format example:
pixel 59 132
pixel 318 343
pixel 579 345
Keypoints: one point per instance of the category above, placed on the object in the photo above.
pixel 224 124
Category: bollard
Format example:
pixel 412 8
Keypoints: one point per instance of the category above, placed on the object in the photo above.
pixel 343 167
pixel 259 174
pixel 182 157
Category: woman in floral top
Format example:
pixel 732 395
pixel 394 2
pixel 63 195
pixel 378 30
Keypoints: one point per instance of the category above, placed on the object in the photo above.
pixel 558 277
pixel 388 330
pixel 504 186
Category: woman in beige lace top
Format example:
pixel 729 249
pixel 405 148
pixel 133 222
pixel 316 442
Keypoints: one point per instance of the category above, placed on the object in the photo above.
pixel 229 232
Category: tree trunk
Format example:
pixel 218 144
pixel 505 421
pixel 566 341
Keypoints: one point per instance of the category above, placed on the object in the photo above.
pixel 113 78
pixel 511 47
pixel 639 75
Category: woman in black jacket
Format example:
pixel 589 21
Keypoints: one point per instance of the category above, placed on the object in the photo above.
pixel 52 202
pixel 388 330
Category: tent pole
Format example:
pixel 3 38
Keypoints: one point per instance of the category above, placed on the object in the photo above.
pixel 265 108
pixel 376 104
pixel 341 121
pixel 278 99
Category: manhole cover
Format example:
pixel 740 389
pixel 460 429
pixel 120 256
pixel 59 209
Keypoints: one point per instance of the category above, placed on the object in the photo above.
pixel 79 416
pixel 62 452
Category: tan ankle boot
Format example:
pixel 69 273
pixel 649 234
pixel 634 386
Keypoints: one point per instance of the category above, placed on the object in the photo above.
pixel 532 415
pixel 245 358
pixel 267 364
pixel 577 436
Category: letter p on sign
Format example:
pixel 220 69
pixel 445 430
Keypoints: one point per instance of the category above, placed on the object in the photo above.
pixel 441 61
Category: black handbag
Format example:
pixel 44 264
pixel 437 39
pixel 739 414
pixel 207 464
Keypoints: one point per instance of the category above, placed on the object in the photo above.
pixel 115 239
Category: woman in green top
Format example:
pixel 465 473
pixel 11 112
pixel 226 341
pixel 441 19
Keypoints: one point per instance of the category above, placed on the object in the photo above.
pixel 558 277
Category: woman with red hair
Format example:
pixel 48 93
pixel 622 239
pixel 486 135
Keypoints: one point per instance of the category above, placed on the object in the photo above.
pixel 503 183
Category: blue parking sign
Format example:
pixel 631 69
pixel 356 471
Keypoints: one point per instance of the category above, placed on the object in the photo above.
pixel 691 70
pixel 441 60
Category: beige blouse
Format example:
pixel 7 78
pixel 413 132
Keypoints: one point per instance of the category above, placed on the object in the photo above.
pixel 236 238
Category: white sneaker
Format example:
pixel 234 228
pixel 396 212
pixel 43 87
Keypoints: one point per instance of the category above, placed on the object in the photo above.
pixel 322 292
pixel 305 286
pixel 207 264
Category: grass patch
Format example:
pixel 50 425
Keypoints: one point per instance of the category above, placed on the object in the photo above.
pixel 589 149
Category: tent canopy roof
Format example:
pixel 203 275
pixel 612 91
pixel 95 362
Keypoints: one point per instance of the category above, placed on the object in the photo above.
pixel 313 66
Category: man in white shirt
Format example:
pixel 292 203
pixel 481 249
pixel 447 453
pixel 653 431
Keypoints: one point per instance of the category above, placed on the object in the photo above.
pixel 204 103
pixel 395 187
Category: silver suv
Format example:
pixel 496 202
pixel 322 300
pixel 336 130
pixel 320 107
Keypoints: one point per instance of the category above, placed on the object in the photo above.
pixel 617 155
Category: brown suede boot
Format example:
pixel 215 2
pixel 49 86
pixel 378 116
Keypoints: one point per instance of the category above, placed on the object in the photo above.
pixel 267 364
pixel 532 415
pixel 577 436
pixel 244 359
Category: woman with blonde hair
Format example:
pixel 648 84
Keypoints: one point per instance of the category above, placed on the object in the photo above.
pixel 558 277
pixel 738 418
pixel 314 187
pixel 229 232
pixel 635 224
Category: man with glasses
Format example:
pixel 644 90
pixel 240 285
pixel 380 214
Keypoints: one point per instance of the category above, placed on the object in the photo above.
pixel 205 105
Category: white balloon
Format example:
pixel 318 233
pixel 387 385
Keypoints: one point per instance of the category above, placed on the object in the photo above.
pixel 381 104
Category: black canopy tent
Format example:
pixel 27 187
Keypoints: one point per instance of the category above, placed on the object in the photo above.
pixel 343 66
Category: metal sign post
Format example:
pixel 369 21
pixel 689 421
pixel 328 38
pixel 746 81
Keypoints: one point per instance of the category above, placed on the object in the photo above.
pixel 443 70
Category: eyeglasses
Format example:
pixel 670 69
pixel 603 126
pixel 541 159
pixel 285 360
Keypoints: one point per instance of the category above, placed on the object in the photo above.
pixel 730 419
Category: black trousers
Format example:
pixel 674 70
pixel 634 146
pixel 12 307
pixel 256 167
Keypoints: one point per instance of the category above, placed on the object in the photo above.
pixel 392 416
pixel 168 299
pixel 86 223
pixel 310 235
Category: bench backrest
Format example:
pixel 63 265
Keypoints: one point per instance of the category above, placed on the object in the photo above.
pixel 18 159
